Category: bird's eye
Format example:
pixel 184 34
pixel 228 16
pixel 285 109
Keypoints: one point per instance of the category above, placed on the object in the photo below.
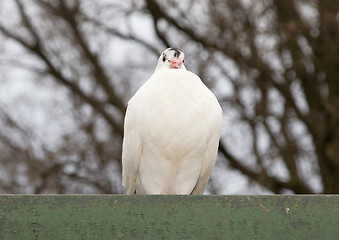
pixel 183 61
pixel 163 59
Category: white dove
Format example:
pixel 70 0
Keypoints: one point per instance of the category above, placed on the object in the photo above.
pixel 171 132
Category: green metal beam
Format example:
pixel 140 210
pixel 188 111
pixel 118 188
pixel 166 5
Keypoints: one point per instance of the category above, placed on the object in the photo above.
pixel 169 217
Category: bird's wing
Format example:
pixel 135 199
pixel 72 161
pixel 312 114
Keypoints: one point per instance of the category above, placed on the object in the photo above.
pixel 208 162
pixel 131 150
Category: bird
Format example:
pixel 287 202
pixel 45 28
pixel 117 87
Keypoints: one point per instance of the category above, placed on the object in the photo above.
pixel 172 128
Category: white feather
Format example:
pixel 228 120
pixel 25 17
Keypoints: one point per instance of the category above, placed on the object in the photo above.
pixel 171 135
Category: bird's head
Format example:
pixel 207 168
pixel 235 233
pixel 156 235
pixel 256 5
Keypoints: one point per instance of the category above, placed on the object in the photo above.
pixel 171 58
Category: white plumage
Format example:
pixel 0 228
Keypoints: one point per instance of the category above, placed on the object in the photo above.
pixel 171 133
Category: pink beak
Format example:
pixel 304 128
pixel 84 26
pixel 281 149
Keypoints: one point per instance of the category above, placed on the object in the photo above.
pixel 176 63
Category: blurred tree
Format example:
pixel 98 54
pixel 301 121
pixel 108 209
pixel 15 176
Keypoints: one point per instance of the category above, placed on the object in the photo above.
pixel 272 64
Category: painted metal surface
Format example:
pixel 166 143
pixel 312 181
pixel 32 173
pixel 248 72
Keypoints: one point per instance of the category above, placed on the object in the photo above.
pixel 169 217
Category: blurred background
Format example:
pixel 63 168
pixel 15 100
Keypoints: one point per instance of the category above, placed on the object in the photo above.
pixel 69 67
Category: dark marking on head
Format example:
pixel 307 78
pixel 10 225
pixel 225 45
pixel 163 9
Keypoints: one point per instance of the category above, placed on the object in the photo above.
pixel 177 52
pixel 163 57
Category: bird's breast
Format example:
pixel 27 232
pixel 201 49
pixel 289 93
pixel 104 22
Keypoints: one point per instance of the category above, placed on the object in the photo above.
pixel 175 112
